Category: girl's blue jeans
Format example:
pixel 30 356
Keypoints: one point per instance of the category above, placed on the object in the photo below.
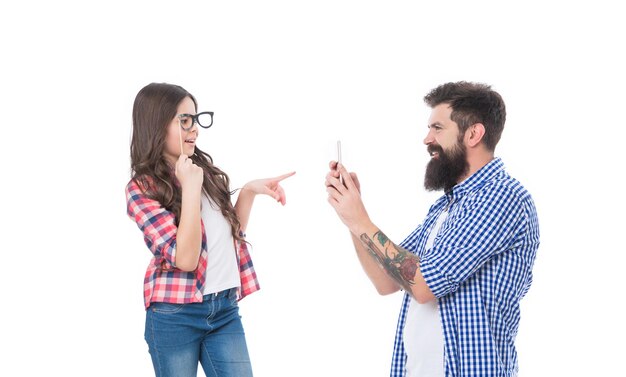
pixel 181 335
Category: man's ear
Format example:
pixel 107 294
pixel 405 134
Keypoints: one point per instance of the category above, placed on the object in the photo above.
pixel 474 134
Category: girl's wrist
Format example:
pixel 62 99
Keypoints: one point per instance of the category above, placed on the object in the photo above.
pixel 247 190
pixel 191 190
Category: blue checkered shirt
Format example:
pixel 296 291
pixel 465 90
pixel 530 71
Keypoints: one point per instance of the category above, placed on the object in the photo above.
pixel 479 268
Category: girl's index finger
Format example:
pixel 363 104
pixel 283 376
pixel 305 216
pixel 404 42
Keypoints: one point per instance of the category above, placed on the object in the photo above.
pixel 284 176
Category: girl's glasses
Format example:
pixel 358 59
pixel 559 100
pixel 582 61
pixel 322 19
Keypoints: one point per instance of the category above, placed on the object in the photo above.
pixel 203 119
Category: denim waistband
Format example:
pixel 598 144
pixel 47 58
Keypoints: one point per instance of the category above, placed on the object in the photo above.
pixel 220 294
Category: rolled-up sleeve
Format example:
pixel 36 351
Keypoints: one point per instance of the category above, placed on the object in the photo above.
pixel 157 224
pixel 484 227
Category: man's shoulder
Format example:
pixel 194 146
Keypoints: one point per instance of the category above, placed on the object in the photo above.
pixel 499 189
pixel 506 183
pixel 501 180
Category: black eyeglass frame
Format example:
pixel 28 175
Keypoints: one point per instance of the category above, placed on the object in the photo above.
pixel 194 120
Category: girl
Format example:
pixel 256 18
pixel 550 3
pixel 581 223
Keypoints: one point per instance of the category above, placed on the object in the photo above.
pixel 201 266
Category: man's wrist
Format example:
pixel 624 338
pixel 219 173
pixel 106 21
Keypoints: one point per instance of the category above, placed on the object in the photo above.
pixel 365 227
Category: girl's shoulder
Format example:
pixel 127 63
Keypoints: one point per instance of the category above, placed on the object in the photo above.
pixel 139 184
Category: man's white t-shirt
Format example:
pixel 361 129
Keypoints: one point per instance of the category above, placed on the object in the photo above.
pixel 222 271
pixel 423 333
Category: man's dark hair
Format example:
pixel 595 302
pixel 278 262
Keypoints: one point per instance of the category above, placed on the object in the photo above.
pixel 472 103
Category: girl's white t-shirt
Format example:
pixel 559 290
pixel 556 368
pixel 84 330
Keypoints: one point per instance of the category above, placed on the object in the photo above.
pixel 222 271
pixel 423 333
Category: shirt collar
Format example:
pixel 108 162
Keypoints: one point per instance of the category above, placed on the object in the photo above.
pixel 478 179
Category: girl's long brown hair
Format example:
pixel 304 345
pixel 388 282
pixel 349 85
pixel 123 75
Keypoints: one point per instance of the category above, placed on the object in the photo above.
pixel 154 108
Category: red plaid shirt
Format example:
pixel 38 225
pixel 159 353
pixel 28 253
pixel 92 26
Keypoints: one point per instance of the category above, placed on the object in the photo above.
pixel 163 281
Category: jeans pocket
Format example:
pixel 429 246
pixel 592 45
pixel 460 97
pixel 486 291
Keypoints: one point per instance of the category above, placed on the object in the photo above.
pixel 232 297
pixel 165 307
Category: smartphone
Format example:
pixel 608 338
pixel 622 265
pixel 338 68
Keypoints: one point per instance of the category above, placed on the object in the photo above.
pixel 339 151
pixel 339 157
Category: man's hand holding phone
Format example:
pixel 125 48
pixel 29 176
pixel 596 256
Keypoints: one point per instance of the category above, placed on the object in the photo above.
pixel 344 194
pixel 334 167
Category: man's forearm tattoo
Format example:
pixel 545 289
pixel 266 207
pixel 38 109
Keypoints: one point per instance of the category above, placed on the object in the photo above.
pixel 402 266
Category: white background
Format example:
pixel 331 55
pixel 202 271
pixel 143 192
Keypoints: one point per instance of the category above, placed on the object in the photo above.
pixel 286 79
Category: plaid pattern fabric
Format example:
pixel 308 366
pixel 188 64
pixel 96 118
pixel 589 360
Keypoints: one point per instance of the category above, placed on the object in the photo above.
pixel 479 268
pixel 163 282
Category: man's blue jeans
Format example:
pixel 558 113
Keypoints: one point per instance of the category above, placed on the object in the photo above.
pixel 180 335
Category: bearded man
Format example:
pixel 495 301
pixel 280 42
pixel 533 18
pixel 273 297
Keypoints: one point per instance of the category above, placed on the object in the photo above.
pixel 465 269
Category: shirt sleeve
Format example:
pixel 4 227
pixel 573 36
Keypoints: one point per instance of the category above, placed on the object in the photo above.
pixel 410 242
pixel 484 227
pixel 157 224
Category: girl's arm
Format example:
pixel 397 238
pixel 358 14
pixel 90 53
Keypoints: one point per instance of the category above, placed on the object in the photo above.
pixel 189 233
pixel 267 186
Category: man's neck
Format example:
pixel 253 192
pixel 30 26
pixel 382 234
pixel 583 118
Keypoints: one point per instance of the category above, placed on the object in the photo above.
pixel 476 162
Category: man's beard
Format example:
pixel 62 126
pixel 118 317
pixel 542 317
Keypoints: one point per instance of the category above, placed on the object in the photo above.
pixel 444 171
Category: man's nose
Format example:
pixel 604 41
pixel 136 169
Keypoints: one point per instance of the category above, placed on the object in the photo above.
pixel 429 138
